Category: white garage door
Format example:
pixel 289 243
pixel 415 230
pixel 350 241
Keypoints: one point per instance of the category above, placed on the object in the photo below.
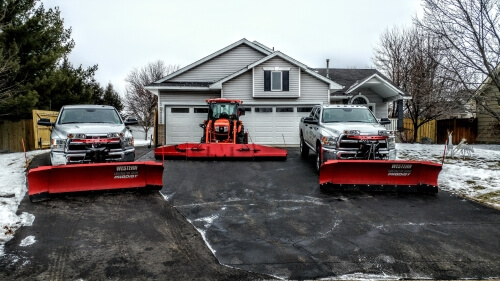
pixel 274 125
pixel 183 123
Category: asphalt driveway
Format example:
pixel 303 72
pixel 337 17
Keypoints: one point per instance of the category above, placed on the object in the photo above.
pixel 272 218
pixel 259 219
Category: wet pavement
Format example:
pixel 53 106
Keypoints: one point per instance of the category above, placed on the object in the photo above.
pixel 272 218
pixel 260 220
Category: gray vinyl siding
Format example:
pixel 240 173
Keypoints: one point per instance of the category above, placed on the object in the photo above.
pixel 294 86
pixel 187 98
pixel 380 105
pixel 313 90
pixel 221 66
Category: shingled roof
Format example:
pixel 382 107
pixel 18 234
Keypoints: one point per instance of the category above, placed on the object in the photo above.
pixel 347 77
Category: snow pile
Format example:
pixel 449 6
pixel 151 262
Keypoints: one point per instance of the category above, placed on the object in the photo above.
pixel 12 191
pixel 476 177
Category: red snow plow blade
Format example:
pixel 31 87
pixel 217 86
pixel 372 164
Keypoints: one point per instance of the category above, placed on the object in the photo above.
pixel 220 151
pixel 380 175
pixel 46 180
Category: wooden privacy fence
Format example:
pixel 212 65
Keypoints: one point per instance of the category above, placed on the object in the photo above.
pixel 427 130
pixel 438 130
pixel 12 133
pixel 462 129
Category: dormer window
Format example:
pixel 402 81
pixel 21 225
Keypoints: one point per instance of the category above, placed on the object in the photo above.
pixel 276 79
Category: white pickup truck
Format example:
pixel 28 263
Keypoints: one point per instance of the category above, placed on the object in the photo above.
pixel 90 134
pixel 337 132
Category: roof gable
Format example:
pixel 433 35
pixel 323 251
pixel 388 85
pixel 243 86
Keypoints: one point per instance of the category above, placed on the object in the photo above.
pixel 333 85
pixel 353 79
pixel 256 46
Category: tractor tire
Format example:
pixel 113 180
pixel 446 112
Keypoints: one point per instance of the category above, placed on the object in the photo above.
pixel 240 137
pixel 304 149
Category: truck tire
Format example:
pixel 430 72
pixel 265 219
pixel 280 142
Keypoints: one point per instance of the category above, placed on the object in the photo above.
pixel 319 158
pixel 304 149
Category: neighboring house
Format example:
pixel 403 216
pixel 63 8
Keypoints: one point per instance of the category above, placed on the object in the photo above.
pixel 488 127
pixel 364 86
pixel 276 91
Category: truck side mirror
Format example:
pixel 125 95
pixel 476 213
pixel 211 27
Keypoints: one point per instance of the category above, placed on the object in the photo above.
pixel 385 121
pixel 310 120
pixel 45 122
pixel 241 111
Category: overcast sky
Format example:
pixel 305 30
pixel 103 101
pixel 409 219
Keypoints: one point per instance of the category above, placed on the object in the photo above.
pixel 122 35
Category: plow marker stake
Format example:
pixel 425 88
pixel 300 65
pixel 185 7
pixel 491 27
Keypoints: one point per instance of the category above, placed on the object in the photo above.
pixel 381 175
pixel 46 180
pixel 220 151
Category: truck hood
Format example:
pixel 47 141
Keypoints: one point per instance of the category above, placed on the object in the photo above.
pixel 89 128
pixel 364 128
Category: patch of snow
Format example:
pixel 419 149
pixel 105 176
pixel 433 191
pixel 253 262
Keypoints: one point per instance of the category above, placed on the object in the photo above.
pixel 476 177
pixel 30 240
pixel 12 191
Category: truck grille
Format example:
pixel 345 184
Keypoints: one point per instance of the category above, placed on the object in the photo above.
pixel 359 149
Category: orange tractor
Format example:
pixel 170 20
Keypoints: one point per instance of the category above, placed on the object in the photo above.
pixel 223 124
pixel 223 137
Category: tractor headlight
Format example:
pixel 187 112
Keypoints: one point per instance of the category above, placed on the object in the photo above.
pixel 329 141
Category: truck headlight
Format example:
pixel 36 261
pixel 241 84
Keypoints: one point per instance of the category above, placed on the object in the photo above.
pixel 352 132
pixel 129 141
pixel 57 144
pixel 329 141
pixel 391 143
pixel 384 133
pixel 115 135
pixel 76 136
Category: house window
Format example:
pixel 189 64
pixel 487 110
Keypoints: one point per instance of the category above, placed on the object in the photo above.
pixel 263 109
pixel 276 80
pixel 179 110
pixel 200 110
pixel 359 100
pixel 304 109
pixel 284 109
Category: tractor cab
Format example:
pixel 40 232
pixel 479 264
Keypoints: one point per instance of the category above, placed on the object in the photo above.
pixel 225 110
pixel 223 124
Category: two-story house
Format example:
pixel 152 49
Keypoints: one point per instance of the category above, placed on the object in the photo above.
pixel 276 91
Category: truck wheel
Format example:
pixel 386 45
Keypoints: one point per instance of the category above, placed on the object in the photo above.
pixel 304 149
pixel 319 159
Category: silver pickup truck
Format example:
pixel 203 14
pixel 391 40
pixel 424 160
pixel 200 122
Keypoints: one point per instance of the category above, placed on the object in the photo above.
pixel 89 134
pixel 337 132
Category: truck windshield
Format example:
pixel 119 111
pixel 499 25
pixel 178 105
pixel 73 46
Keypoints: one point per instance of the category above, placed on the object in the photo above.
pixel 89 115
pixel 223 110
pixel 364 115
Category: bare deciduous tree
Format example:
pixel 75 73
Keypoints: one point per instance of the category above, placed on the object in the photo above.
pixel 140 102
pixel 468 30
pixel 412 59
